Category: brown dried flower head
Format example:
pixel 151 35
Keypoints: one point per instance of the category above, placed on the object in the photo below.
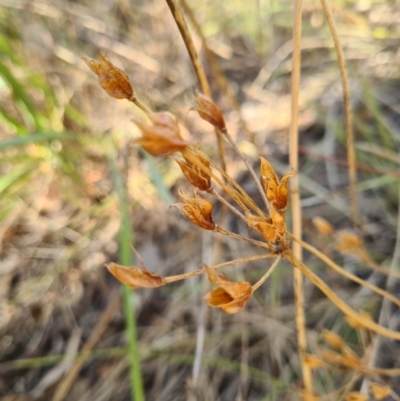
pixel 348 242
pixel 230 297
pixel 209 111
pixel 162 137
pixel 135 277
pixel 112 79
pixel 356 396
pixel 197 210
pixel 333 339
pixel 195 175
pixel 276 192
pixel 264 226
pixel 313 361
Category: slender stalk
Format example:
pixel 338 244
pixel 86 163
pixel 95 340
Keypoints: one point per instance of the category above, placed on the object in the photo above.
pixel 331 295
pixel 232 208
pixel 249 168
pixel 264 278
pixel 140 105
pixel 343 272
pixel 198 68
pixel 125 241
pixel 347 107
pixel 257 244
pixel 295 195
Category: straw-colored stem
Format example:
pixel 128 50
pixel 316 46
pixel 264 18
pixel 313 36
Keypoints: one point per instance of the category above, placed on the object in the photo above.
pixel 331 295
pixel 256 243
pixel 264 278
pixel 219 75
pixel 249 168
pixel 329 262
pixel 232 208
pixel 295 195
pixel 184 276
pixel 140 105
pixel 198 68
pixel 347 108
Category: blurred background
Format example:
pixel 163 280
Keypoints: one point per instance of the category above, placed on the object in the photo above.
pixel 68 168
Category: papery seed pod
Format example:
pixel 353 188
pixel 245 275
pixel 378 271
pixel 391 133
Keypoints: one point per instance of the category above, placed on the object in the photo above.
pixel 230 297
pixel 135 277
pixel 331 357
pixel 333 339
pixel 195 175
pixel 277 220
pixel 269 179
pixel 264 226
pixel 282 192
pixel 323 226
pixel 162 137
pixel 313 361
pixel 209 111
pixel 112 79
pixel 197 210
pixel 351 359
pixel 348 242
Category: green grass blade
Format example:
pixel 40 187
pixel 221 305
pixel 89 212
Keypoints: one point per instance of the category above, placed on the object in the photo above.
pixel 125 253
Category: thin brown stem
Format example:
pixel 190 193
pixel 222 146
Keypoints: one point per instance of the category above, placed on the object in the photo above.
pixel 198 68
pixel 295 196
pixel 140 105
pixel 329 262
pixel 331 295
pixel 228 205
pixel 185 276
pixel 256 243
pixel 249 168
pixel 264 278
pixel 347 107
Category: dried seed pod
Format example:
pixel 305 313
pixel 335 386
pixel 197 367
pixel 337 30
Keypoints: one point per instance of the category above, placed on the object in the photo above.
pixel 331 357
pixel 264 226
pixel 282 192
pixel 162 137
pixel 135 277
pixel 197 210
pixel 348 242
pixel 356 396
pixel 323 226
pixel 112 79
pixel 230 297
pixel 194 174
pixel 313 361
pixel 333 339
pixel 209 111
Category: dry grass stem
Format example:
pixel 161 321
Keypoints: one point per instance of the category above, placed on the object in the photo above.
pixel 295 195
pixel 347 107
pixel 264 278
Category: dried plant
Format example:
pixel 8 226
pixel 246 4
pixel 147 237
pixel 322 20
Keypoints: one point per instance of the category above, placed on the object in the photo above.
pixel 161 137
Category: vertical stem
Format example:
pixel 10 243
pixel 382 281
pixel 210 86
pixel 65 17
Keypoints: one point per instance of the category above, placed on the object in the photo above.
pixel 347 107
pixel 198 68
pixel 125 241
pixel 295 196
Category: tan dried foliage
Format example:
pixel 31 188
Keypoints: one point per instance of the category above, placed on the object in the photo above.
pixel 135 277
pixel 162 137
pixel 313 361
pixel 209 112
pixel 379 391
pixel 230 297
pixel 112 79
pixel 333 339
pixel 356 396
pixel 197 210
pixel 323 226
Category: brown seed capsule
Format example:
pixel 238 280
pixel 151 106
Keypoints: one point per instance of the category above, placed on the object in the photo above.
pixel 323 226
pixel 230 297
pixel 195 175
pixel 379 391
pixel 161 138
pixel 112 79
pixel 197 210
pixel 135 277
pixel 209 111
